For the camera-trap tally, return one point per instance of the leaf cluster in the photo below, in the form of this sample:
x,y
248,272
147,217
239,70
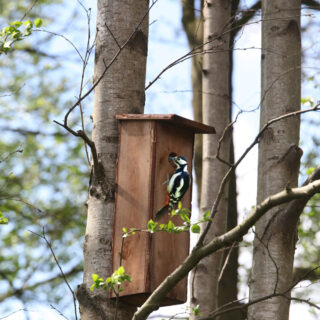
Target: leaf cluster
x,y
113,282
170,227
12,33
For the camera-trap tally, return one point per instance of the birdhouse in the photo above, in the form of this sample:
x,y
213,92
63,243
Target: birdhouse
x,y
142,169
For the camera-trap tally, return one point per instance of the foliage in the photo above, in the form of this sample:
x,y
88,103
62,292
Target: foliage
x,y
3,219
46,184
12,33
170,227
113,282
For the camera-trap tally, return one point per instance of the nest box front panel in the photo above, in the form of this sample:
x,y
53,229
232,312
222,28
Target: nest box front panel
x,y
169,250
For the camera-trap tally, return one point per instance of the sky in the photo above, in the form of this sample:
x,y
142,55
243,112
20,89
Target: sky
x,y
172,94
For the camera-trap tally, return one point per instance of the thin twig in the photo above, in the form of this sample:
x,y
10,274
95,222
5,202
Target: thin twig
x,y
228,306
226,262
84,66
18,150
12,313
199,49
81,133
43,236
266,246
112,35
65,38
28,11
58,311
235,165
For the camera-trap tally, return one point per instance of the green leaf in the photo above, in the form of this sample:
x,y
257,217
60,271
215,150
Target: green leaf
x,y
171,226
196,310
307,101
95,277
310,170
3,220
120,271
206,214
38,22
16,35
185,218
179,205
195,228
152,226
28,24
16,24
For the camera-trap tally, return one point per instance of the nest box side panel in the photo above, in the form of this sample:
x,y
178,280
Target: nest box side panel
x,y
169,250
133,203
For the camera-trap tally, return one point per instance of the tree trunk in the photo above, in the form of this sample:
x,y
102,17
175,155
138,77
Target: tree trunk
x,y
279,156
120,91
216,112
194,30
228,284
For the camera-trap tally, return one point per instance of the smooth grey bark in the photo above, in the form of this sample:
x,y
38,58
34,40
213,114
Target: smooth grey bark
x,y
120,91
279,156
193,27
216,112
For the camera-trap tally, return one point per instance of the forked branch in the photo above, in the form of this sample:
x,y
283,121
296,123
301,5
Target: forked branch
x,y
219,242
235,165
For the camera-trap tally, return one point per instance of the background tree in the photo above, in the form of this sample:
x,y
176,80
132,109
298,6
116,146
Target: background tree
x,y
204,281
279,156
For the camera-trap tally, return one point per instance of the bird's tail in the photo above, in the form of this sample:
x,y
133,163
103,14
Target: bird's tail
x,y
163,209
161,212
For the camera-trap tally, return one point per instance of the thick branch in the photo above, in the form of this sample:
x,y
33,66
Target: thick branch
x,y
222,241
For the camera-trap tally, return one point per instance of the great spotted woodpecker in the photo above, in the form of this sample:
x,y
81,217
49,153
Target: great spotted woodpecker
x,y
177,185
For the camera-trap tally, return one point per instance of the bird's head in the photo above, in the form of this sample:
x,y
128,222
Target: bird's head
x,y
179,161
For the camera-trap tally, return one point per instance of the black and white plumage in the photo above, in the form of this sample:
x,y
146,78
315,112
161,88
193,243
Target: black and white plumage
x,y
177,185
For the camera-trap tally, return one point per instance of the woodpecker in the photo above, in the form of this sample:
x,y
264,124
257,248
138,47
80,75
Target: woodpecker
x,y
177,185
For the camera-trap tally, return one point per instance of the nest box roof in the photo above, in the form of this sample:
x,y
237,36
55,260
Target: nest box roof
x,y
194,126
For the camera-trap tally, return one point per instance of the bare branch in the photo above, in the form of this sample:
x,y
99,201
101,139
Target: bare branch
x,y
12,313
65,38
28,11
226,262
235,165
81,133
32,132
266,246
58,311
234,235
112,35
25,287
43,236
18,150
199,49
235,305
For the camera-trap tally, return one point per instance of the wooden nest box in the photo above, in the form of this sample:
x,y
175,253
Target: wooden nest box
x,y
145,144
